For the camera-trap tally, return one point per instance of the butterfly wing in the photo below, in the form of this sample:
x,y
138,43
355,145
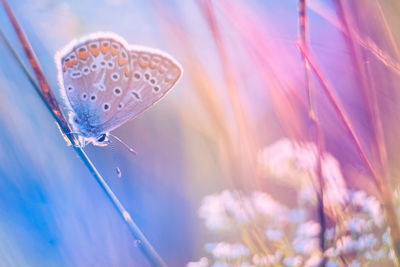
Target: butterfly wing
x,y
105,82
152,75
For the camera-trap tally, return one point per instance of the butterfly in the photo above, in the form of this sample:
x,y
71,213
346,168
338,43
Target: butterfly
x,y
105,82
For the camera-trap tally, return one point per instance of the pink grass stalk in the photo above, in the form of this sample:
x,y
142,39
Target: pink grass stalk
x,y
318,131
246,140
285,98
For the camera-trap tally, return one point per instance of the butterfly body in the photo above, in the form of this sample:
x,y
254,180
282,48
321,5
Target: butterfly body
x,y
106,82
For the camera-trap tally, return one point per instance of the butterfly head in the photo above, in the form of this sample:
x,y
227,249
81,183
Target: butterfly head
x,y
102,140
87,133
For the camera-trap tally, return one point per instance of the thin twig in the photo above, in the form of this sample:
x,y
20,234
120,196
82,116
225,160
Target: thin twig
x,y
318,131
46,94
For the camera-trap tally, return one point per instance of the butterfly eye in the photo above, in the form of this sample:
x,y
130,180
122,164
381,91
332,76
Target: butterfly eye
x,y
102,63
102,138
120,106
153,81
93,98
147,76
137,75
76,120
70,88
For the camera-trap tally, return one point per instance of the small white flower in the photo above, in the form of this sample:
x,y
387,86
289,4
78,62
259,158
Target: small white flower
x,y
297,215
335,191
268,260
305,245
358,197
373,207
223,211
258,260
354,263
366,241
292,261
330,253
329,233
213,212
386,237
225,250
331,264
373,255
358,225
309,229
220,264
203,262
267,206
345,244
313,261
273,234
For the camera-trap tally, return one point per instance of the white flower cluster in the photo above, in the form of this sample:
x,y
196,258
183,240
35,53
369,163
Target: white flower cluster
x,y
295,164
226,210
361,232
268,233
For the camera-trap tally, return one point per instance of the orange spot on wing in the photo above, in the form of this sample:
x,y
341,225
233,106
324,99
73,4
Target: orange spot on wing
x,y
64,68
153,64
126,72
83,55
74,61
94,50
104,48
122,61
143,64
114,51
69,63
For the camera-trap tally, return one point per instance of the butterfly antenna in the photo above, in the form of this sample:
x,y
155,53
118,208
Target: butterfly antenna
x,y
123,143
